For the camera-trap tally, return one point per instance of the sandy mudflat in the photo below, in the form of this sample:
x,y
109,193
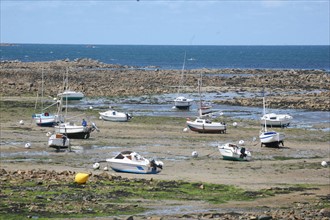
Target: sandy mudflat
x,y
298,162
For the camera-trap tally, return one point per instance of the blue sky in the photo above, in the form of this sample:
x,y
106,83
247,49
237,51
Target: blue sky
x,y
168,22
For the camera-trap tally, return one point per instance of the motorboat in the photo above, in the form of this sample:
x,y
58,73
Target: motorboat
x,y
230,151
112,115
182,102
132,162
276,120
71,95
71,130
202,125
58,141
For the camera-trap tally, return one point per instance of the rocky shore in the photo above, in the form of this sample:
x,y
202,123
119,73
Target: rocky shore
x,y
301,89
50,180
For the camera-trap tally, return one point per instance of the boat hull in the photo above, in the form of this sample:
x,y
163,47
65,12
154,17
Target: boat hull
x,y
234,153
136,168
206,128
271,138
275,120
71,95
58,141
74,131
183,103
115,116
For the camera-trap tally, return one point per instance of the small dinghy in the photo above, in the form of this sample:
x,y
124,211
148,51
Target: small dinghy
x,y
230,151
132,162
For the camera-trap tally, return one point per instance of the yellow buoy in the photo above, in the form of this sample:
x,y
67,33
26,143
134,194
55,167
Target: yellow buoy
x,y
81,178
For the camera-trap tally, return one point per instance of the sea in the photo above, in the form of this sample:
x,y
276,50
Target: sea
x,y
173,56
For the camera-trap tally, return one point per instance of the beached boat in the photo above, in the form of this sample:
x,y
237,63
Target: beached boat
x,y
270,138
71,95
230,151
202,125
112,115
132,162
58,141
180,101
45,118
276,120
71,130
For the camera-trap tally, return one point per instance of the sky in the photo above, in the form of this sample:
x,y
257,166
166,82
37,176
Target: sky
x,y
166,22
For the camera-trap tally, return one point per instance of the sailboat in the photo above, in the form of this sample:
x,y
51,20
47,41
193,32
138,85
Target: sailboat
x,y
203,125
204,107
270,138
182,102
70,129
45,119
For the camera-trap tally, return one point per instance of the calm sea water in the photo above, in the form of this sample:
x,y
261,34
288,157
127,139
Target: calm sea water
x,y
171,57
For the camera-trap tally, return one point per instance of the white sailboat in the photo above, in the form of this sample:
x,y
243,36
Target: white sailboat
x,y
45,118
203,125
70,129
180,101
270,138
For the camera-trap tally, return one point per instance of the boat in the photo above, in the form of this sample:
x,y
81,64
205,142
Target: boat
x,y
230,151
74,131
58,141
181,102
270,138
204,125
132,162
112,115
45,119
69,128
71,95
204,108
276,120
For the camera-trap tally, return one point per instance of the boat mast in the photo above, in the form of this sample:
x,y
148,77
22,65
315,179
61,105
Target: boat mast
x,y
200,97
264,106
182,71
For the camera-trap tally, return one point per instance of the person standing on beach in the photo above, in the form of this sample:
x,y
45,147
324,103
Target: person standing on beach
x,y
84,123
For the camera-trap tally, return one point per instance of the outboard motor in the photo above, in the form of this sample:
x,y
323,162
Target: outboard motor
x,y
94,127
243,154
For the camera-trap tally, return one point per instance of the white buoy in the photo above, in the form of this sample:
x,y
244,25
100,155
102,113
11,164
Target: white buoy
x,y
173,107
241,142
55,99
96,166
21,122
48,134
100,117
105,168
324,163
194,154
27,145
235,124
185,129
90,107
